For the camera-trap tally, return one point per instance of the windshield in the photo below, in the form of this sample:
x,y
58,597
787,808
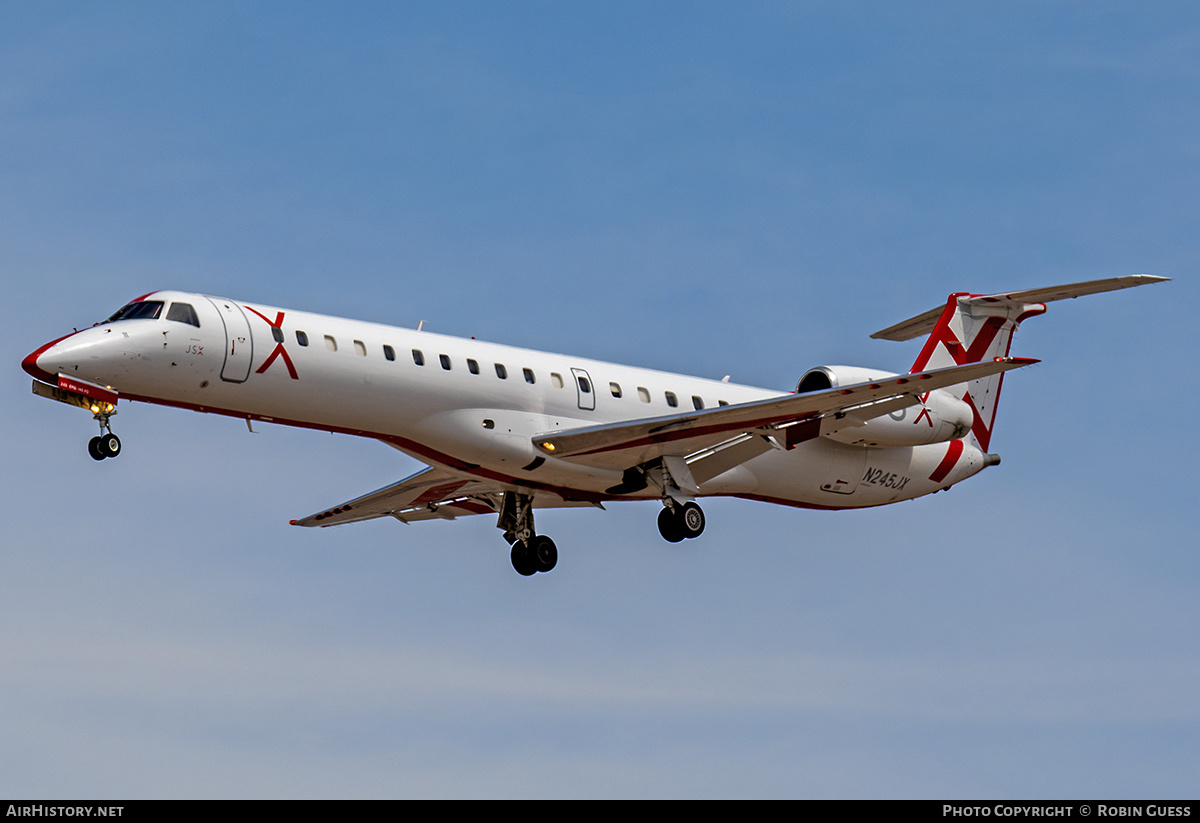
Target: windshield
x,y
145,310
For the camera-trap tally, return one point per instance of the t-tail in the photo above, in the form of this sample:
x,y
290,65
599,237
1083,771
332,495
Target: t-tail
x,y
971,328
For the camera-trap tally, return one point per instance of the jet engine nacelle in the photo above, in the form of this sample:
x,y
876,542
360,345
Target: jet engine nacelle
x,y
940,416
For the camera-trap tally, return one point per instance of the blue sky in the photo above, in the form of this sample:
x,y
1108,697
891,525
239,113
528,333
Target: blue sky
x,y
684,186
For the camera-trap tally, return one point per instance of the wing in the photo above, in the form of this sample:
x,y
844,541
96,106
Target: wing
x,y
794,417
430,494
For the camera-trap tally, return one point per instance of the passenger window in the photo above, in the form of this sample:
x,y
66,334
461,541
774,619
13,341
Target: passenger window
x,y
615,388
584,385
360,348
330,343
528,375
697,403
643,394
672,400
445,358
556,379
501,372
472,366
389,352
184,313
276,332
301,338
418,357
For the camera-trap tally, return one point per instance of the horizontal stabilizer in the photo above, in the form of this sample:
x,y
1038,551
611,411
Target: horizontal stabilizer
x,y
924,323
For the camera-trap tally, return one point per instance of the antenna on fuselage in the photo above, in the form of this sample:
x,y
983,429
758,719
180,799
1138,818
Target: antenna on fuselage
x,y
419,325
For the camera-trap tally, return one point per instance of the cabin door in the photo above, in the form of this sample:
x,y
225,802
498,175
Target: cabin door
x,y
239,348
584,389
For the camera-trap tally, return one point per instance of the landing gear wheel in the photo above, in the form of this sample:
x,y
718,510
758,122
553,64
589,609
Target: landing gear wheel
x,y
544,553
110,445
523,560
94,449
691,520
669,526
681,522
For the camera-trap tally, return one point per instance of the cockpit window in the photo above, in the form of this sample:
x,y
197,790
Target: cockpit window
x,y
184,313
145,310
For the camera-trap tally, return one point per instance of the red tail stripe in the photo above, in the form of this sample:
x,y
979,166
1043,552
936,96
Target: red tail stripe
x,y
933,339
954,451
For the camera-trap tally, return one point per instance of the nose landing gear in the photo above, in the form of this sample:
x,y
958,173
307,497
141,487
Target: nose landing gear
x,y
101,401
106,444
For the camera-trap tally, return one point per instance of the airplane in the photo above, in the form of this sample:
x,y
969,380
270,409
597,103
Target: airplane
x,y
505,430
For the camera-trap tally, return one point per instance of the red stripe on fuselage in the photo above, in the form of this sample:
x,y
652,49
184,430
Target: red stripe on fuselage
x,y
944,468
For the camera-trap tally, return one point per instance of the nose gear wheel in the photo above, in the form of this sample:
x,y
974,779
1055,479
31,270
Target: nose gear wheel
x,y
104,445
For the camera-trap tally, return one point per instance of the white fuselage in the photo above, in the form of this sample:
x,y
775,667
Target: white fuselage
x,y
460,403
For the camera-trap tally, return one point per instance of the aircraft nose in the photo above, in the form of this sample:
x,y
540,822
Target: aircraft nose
x,y
36,362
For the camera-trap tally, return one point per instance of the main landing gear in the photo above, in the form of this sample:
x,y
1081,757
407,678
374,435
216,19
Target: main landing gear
x,y
531,553
678,522
106,444
532,556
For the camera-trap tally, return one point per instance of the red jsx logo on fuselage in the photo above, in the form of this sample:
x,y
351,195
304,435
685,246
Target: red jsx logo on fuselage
x,y
280,351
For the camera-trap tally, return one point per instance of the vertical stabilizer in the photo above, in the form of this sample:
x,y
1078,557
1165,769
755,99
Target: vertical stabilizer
x,y
976,327
971,332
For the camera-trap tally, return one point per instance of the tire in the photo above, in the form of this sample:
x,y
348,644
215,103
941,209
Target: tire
x,y
110,445
522,559
691,520
94,449
669,526
544,553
